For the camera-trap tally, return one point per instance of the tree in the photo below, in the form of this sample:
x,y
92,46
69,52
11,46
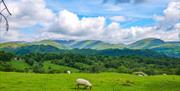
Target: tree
x,y
123,69
5,56
30,61
37,68
178,71
97,68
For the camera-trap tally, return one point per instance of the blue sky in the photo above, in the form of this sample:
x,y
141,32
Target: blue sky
x,y
114,21
141,13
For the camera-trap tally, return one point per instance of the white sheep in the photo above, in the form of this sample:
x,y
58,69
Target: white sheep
x,y
140,73
164,74
83,82
68,72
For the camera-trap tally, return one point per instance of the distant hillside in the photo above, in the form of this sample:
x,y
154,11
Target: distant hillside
x,y
12,44
99,45
32,49
172,50
146,43
89,44
118,52
51,43
169,48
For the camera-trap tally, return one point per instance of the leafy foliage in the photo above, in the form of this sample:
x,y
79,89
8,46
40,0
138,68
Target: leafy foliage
x,y
99,61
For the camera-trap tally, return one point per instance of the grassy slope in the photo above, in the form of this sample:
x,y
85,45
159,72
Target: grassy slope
x,y
103,46
146,43
59,68
168,47
19,65
49,42
95,45
101,82
12,45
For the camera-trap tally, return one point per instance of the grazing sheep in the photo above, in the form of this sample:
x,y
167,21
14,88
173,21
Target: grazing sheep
x,y
140,73
68,72
164,74
83,82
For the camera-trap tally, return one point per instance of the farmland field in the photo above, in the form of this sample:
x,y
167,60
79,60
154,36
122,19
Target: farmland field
x,y
12,81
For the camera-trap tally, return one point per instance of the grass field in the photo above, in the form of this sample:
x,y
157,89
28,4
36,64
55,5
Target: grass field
x,y
19,65
11,81
58,68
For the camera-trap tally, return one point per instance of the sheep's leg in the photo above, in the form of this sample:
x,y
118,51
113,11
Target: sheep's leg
x,y
85,87
78,86
90,87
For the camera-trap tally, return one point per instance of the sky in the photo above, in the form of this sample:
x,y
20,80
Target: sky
x,y
113,21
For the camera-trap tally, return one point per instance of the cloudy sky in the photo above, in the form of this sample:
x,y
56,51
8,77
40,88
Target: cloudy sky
x,y
114,21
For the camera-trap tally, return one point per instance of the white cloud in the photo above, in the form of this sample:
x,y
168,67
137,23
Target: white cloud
x,y
68,23
118,18
26,13
177,27
129,35
112,8
69,26
171,15
9,36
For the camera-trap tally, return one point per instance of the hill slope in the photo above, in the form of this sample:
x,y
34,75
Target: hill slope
x,y
66,44
146,43
51,43
99,45
32,49
12,44
170,48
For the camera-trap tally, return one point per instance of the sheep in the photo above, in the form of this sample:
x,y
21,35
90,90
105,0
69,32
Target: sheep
x,y
140,73
68,72
164,74
83,82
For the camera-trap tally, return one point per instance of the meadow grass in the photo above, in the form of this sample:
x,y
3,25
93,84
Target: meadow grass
x,y
19,65
12,81
59,68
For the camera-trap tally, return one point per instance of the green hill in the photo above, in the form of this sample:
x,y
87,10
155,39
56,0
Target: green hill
x,y
35,49
146,43
23,44
170,48
89,44
54,68
66,44
19,65
12,44
49,42
92,44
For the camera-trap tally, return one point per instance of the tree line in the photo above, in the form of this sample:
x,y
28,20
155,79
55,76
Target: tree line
x,y
94,63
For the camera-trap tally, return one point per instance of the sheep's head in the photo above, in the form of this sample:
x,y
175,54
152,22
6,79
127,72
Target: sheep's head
x,y
90,87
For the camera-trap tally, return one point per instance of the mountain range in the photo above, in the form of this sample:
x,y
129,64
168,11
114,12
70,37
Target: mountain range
x,y
169,48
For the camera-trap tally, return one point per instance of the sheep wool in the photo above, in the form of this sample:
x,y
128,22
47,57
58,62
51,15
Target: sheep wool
x,y
68,72
84,82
